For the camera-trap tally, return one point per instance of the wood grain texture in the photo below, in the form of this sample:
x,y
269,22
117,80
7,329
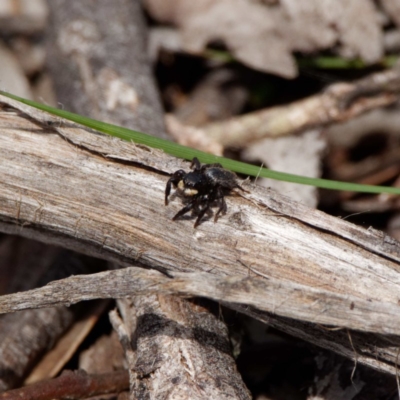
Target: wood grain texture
x,y
26,336
187,347
273,295
338,103
66,185
107,76
102,69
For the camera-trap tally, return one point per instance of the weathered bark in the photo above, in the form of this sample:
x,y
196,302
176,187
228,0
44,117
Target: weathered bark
x,y
108,77
338,103
97,54
182,351
251,291
25,337
71,385
103,196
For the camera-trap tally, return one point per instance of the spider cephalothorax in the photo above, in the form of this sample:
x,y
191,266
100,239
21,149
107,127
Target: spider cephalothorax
x,y
202,188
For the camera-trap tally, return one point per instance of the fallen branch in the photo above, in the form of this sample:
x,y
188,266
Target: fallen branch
x,y
271,295
71,385
291,266
338,103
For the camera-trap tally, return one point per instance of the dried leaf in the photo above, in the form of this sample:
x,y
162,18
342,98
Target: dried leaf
x,y
264,36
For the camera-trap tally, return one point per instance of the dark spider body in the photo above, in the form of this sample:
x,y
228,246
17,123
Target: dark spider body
x,y
202,188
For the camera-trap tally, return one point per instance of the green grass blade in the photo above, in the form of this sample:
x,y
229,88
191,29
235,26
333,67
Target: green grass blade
x,y
327,62
188,153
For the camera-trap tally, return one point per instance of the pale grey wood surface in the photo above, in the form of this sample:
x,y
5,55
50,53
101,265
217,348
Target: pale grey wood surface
x,y
65,185
97,55
101,70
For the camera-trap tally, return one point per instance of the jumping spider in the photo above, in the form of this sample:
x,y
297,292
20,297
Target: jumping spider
x,y
202,188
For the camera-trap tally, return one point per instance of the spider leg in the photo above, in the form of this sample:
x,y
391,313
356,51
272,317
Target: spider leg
x,y
184,210
239,187
195,163
235,185
222,207
167,191
201,214
175,178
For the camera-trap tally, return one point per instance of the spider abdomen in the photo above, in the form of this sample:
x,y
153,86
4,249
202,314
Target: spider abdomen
x,y
222,177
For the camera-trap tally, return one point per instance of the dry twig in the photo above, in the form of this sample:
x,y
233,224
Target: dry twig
x,y
338,103
71,385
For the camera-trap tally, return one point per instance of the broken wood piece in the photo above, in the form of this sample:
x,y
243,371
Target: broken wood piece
x,y
63,184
